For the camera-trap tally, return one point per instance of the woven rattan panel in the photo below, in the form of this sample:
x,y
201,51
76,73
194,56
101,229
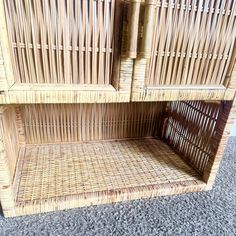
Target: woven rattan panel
x,y
86,122
69,42
51,171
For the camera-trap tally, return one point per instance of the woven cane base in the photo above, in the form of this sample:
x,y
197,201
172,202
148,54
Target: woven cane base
x,y
110,170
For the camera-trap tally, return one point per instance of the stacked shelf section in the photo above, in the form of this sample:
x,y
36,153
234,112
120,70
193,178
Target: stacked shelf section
x,y
64,156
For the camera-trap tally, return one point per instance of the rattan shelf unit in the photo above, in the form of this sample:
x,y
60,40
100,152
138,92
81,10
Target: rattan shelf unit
x,y
111,100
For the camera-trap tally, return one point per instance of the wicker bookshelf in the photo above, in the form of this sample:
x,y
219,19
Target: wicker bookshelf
x,y
109,100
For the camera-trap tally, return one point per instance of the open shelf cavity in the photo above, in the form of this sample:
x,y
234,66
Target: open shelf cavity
x,y
62,156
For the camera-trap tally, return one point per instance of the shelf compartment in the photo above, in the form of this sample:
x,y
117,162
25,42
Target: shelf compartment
x,y
56,157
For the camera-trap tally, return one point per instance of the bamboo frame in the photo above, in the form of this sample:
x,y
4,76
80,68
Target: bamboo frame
x,y
141,91
187,127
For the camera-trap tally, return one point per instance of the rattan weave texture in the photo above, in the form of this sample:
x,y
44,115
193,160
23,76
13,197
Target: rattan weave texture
x,y
52,171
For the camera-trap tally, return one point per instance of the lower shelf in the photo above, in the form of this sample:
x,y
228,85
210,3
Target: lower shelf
x,y
61,176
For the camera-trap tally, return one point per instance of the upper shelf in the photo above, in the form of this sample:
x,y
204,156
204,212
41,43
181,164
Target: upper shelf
x,y
98,51
25,94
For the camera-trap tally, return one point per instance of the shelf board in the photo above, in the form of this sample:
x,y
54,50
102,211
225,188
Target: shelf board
x,y
62,176
32,94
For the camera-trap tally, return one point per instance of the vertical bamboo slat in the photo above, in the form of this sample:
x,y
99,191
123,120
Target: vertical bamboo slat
x,y
133,27
192,44
231,73
148,31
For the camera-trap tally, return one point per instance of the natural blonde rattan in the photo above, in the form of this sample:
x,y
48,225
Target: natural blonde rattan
x,y
70,135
